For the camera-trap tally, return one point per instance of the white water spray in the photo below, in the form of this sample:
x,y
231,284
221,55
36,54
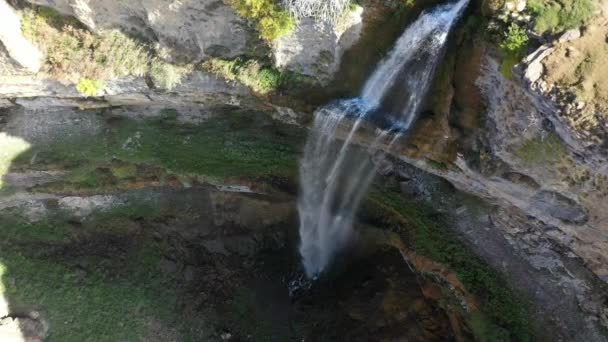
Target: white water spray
x,y
335,176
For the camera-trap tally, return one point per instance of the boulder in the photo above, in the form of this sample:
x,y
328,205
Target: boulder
x,y
316,48
570,35
19,49
534,67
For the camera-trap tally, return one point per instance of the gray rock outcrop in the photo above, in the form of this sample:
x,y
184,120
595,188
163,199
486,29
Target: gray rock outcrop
x,y
19,49
190,30
315,48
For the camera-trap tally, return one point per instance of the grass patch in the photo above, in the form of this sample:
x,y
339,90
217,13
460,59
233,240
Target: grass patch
x,y
166,75
17,228
243,314
87,295
513,47
124,170
554,16
245,144
260,77
93,305
505,315
272,22
542,150
509,61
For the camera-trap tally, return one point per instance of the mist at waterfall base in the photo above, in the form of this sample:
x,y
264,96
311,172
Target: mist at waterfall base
x,y
334,175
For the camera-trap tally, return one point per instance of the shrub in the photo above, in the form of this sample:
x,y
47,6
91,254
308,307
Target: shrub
x,y
553,16
90,87
261,79
165,75
514,46
73,53
272,21
515,39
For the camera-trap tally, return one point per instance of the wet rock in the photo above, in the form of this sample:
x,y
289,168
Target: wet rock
x,y
408,188
189,273
168,266
560,207
286,115
215,246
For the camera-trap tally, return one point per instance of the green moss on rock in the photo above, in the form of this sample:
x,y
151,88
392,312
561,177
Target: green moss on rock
x,y
504,313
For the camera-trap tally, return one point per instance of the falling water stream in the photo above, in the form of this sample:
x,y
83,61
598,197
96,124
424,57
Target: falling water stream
x,y
335,176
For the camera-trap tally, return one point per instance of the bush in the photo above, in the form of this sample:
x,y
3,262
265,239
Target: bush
x,y
73,53
514,46
515,39
553,16
90,87
261,79
272,21
165,75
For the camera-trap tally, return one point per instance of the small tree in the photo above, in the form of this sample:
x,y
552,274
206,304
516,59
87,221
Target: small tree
x,y
515,40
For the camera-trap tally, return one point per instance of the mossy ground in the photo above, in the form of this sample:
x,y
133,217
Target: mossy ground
x,y
235,144
91,282
504,313
101,276
542,150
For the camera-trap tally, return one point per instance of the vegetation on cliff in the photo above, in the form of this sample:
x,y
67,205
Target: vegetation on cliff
x,y
506,315
261,77
76,56
272,22
513,46
553,16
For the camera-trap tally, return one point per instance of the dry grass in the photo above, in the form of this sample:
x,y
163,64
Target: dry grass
x,y
76,56
73,53
579,66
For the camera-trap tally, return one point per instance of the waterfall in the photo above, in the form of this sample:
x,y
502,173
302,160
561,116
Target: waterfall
x,y
335,176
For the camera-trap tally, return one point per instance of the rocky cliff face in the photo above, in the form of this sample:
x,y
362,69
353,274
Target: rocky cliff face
x,y
531,177
189,30
552,200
